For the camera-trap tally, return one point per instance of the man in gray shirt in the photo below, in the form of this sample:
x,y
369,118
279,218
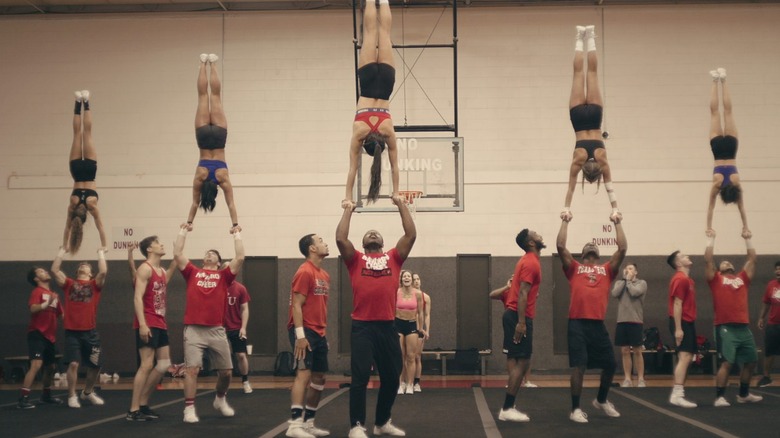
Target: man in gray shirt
x,y
630,292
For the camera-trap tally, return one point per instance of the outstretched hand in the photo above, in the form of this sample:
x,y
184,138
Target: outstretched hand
x,y
348,204
397,199
187,225
710,233
616,217
746,234
235,229
566,215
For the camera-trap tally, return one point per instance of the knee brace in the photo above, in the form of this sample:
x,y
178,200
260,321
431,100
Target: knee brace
x,y
316,387
162,366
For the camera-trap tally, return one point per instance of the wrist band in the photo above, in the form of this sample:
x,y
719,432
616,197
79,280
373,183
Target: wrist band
x,y
711,241
749,244
189,222
237,235
235,224
299,333
182,231
102,254
61,253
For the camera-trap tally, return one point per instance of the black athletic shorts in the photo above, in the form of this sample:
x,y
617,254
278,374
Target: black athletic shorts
x,y
376,80
404,327
772,340
589,344
525,348
237,344
628,334
316,360
724,148
158,338
586,117
211,137
41,348
83,346
688,343
83,170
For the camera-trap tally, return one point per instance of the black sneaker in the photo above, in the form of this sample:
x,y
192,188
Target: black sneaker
x,y
50,400
136,416
146,410
24,403
764,382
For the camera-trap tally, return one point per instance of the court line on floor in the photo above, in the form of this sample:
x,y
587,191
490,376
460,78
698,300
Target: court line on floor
x,y
758,391
115,417
711,429
283,427
488,423
64,394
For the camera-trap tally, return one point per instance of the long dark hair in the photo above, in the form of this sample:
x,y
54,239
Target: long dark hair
x,y
374,144
77,219
208,195
591,171
730,193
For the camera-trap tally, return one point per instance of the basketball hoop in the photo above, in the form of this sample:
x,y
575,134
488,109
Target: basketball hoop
x,y
409,197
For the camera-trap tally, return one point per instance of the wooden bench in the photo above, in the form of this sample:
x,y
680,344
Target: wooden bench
x,y
10,363
442,356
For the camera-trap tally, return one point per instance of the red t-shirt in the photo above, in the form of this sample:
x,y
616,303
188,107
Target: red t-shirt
x,y
374,284
81,302
772,297
528,270
314,283
681,286
45,321
589,290
236,296
155,301
730,298
206,295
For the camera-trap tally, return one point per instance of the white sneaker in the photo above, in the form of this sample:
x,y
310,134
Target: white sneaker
x,y
402,388
358,432
85,95
750,398
189,415
58,376
204,57
578,416
417,387
221,404
309,426
93,398
626,384
715,75
590,31
295,429
529,384
641,384
721,402
247,387
512,414
722,73
78,96
607,407
409,389
388,429
73,402
679,400
213,58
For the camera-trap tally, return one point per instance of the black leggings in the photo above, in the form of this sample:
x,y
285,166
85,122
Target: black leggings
x,y
374,343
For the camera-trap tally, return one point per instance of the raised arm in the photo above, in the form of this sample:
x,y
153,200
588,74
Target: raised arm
x,y
346,249
392,154
574,171
227,187
618,287
711,207
100,278
743,215
141,280
238,260
172,268
130,260
709,261
59,276
406,242
197,183
750,263
354,161
560,242
178,248
622,246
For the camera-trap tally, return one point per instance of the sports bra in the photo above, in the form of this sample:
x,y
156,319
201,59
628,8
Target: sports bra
x,y
364,115
402,303
212,166
726,171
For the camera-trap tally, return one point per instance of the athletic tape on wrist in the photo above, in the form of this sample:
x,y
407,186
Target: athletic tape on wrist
x,y
182,231
299,333
61,253
237,235
710,241
749,244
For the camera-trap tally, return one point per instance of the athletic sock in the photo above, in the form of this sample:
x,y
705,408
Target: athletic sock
x,y
720,391
509,401
86,102
244,378
416,380
601,397
744,388
578,45
296,412
384,2
189,402
25,392
77,111
575,402
591,45
309,412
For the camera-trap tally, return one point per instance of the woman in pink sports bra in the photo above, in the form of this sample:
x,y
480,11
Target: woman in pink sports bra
x,y
723,142
426,330
408,317
373,127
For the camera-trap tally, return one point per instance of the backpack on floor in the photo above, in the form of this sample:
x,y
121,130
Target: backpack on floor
x,y
651,339
285,364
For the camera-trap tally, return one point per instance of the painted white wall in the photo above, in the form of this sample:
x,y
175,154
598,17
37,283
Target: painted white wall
x,y
289,96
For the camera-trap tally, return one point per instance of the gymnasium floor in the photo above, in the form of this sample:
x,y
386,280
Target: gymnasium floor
x,y
452,406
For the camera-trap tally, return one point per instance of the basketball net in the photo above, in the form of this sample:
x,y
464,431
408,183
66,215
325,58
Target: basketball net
x,y
409,197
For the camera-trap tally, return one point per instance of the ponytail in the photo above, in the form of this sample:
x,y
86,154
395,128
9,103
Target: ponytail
x,y
77,219
208,195
374,144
